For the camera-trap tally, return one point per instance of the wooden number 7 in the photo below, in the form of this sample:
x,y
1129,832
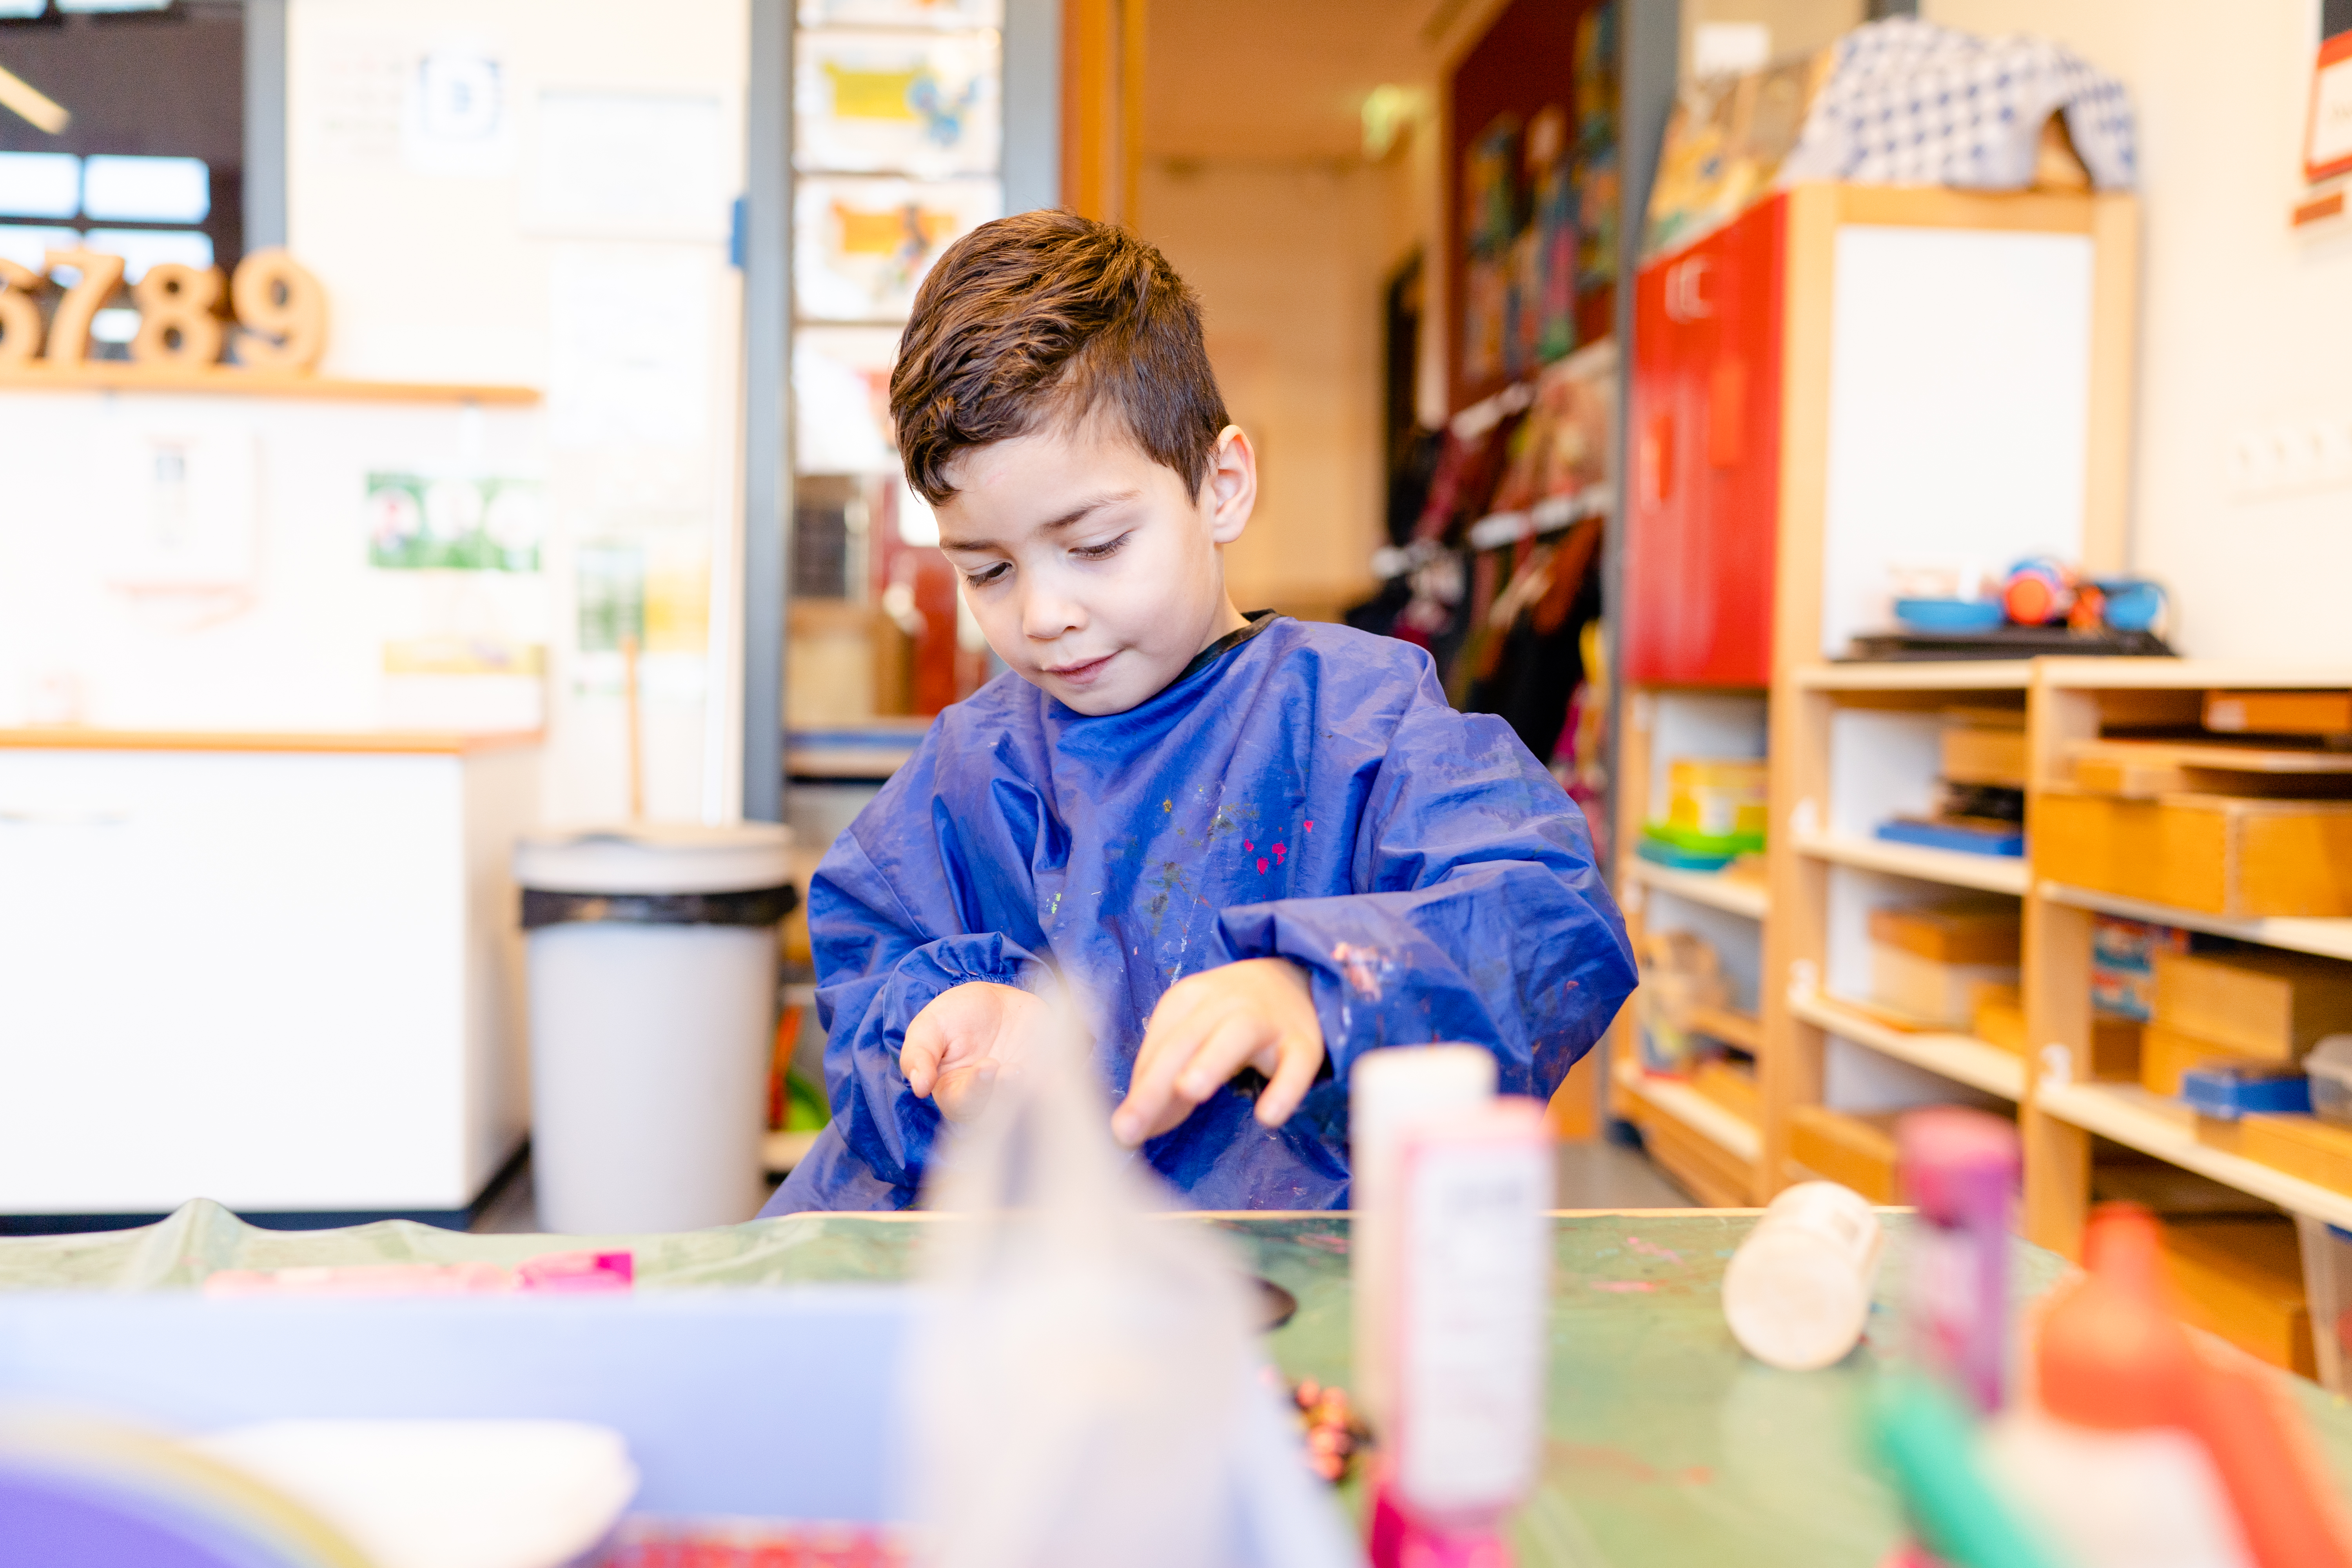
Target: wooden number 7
x,y
20,317
70,328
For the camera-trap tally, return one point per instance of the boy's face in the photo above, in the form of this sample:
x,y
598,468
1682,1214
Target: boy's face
x,y
1092,571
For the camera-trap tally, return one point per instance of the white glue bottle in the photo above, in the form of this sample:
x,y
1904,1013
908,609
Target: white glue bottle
x,y
1471,1300
1797,1293
1389,1090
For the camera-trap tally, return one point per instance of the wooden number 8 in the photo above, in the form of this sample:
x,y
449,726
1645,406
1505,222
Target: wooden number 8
x,y
176,324
20,317
282,310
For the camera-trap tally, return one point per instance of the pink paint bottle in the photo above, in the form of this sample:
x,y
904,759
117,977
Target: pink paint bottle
x,y
1960,1170
1470,1298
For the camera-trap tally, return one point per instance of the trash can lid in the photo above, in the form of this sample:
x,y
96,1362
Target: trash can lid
x,y
656,858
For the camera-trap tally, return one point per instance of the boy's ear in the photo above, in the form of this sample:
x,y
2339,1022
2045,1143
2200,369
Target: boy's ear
x,y
1231,489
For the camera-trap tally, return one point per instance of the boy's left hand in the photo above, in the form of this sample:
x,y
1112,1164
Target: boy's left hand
x,y
1257,1012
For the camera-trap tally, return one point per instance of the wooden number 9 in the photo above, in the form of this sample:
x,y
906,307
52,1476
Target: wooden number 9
x,y
20,316
282,310
176,324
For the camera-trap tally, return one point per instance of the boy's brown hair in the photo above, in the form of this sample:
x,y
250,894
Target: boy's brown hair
x,y
1046,315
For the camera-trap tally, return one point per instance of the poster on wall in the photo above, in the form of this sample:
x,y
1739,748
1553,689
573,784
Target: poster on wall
x,y
884,102
864,246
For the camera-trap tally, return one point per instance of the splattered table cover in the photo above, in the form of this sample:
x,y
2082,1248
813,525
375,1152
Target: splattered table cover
x,y
1666,1444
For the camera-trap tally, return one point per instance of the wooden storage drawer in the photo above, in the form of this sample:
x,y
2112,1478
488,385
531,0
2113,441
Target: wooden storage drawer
x,y
1974,754
2302,1147
2242,1279
2217,854
1855,1149
2272,1006
2166,1053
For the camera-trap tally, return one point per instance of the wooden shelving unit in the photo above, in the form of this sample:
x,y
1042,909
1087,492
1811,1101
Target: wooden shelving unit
x,y
1851,744
1842,737
2073,699
1711,1150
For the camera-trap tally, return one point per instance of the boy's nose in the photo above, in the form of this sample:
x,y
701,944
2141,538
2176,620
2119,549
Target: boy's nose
x,y
1044,616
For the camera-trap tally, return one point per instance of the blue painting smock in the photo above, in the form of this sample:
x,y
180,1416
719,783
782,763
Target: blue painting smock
x,y
1301,792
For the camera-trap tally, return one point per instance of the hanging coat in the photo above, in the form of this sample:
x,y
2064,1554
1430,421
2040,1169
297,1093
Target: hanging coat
x,y
1301,791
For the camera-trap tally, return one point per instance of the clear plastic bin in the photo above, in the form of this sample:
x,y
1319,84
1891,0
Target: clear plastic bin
x,y
2327,1285
2329,1064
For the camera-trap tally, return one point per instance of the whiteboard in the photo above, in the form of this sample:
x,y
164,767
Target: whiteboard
x,y
1960,406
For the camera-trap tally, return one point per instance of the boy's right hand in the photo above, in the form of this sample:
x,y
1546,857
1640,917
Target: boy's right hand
x,y
967,1037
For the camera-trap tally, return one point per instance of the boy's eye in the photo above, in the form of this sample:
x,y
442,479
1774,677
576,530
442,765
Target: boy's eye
x,y
981,579
1098,552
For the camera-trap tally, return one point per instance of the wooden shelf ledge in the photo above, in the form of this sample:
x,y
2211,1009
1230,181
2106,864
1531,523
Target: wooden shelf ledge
x,y
1963,1059
1733,895
1988,873
74,738
2188,674
1672,1098
1941,675
2328,938
2138,1120
1744,1030
115,375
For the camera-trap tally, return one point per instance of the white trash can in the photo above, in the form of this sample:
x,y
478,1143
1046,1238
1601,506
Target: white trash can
x,y
652,970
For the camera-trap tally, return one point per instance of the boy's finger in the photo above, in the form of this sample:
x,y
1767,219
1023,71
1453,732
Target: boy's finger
x,y
1294,1075
919,1055
964,1092
1225,1052
1169,1042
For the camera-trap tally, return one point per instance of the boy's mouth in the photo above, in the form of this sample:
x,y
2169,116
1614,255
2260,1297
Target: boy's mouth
x,y
1080,674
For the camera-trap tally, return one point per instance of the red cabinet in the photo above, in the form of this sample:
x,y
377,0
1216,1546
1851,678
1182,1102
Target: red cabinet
x,y
1706,457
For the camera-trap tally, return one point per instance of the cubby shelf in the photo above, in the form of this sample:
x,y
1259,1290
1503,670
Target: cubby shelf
x,y
1989,873
2325,938
1960,1057
1733,895
2137,1119
1671,1096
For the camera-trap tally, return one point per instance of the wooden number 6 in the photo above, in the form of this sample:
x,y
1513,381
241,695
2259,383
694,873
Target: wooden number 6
x,y
20,316
176,324
70,328
282,310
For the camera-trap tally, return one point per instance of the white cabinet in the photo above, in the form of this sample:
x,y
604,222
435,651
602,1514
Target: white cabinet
x,y
280,972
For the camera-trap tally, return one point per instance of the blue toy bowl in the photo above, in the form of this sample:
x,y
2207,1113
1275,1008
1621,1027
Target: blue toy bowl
x,y
1948,614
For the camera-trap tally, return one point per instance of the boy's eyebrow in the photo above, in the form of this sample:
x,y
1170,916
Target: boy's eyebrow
x,y
1076,515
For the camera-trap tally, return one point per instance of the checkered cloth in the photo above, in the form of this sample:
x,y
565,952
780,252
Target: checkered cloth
x,y
1910,103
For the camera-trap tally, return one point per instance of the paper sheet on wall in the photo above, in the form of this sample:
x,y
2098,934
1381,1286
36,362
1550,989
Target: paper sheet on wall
x,y
629,353
630,165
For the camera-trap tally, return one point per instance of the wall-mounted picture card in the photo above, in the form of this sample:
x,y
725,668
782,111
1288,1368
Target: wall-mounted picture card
x,y
420,523
874,103
841,394
863,245
941,14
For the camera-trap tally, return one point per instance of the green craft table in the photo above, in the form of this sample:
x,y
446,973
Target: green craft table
x,y
1667,1444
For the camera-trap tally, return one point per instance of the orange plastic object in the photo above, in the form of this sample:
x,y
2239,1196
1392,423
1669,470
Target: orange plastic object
x,y
2113,1356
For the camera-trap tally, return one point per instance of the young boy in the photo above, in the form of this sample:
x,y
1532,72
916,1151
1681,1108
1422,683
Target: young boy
x,y
1254,848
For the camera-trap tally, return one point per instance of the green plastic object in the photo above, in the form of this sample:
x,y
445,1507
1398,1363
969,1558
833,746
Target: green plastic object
x,y
1690,840
1930,1441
